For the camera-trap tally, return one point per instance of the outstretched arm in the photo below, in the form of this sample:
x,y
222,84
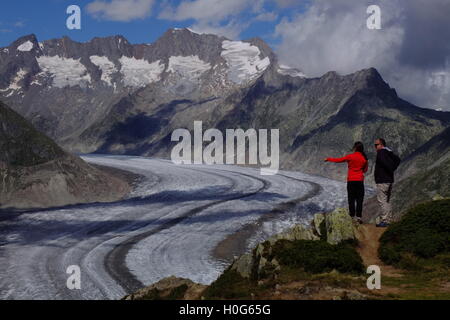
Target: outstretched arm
x,y
338,160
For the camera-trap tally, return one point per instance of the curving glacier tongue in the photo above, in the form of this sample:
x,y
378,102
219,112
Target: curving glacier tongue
x,y
183,212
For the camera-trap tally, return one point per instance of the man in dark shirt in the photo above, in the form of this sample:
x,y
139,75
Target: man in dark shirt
x,y
384,179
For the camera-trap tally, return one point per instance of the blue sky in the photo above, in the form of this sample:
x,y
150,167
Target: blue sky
x,y
47,19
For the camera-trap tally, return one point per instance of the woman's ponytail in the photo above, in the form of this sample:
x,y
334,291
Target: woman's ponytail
x,y
359,147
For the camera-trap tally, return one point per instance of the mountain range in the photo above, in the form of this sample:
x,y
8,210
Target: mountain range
x,y
110,96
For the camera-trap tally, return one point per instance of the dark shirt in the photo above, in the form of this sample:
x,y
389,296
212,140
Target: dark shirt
x,y
384,167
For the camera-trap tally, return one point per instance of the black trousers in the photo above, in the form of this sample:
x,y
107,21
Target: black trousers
x,y
355,191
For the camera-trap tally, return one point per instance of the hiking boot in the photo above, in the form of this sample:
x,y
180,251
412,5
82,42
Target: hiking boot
x,y
383,224
357,220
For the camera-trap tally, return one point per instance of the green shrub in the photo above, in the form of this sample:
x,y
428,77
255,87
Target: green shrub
x,y
318,256
230,285
178,292
424,232
174,294
153,294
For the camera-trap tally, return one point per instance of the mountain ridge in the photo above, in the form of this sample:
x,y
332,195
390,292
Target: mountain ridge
x,y
121,98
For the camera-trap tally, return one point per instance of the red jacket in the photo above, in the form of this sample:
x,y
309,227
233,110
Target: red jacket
x,y
357,165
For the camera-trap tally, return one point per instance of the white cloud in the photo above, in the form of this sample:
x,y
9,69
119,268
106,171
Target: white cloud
x,y
19,24
426,88
332,35
206,10
266,16
230,30
287,3
216,16
327,38
120,10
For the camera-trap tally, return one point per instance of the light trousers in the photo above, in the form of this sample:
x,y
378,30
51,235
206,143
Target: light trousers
x,y
384,191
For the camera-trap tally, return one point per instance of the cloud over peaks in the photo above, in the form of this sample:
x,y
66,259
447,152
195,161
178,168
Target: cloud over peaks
x,y
120,10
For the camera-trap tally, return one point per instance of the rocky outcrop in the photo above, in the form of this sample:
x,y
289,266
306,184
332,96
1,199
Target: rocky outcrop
x,y
297,232
334,227
171,288
339,226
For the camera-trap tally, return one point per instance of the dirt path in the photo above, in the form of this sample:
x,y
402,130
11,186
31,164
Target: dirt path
x,y
369,241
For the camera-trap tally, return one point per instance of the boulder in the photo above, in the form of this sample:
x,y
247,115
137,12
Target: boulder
x,y
258,259
339,226
297,232
243,265
171,288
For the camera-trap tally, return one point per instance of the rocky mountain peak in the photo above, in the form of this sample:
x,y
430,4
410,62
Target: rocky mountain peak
x,y
184,42
26,43
371,78
266,50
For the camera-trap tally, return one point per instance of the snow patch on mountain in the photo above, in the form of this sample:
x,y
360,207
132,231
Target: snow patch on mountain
x,y
107,67
288,71
19,77
14,85
191,67
196,32
188,29
26,46
243,60
64,71
36,81
139,73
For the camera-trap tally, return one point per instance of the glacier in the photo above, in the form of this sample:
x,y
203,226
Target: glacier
x,y
172,221
243,60
107,67
26,46
139,72
66,72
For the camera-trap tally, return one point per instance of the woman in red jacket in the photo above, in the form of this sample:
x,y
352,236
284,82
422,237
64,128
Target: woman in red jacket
x,y
357,166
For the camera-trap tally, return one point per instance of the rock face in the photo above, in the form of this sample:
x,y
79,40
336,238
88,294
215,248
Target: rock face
x,y
339,226
430,155
110,96
171,288
243,265
297,232
35,172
